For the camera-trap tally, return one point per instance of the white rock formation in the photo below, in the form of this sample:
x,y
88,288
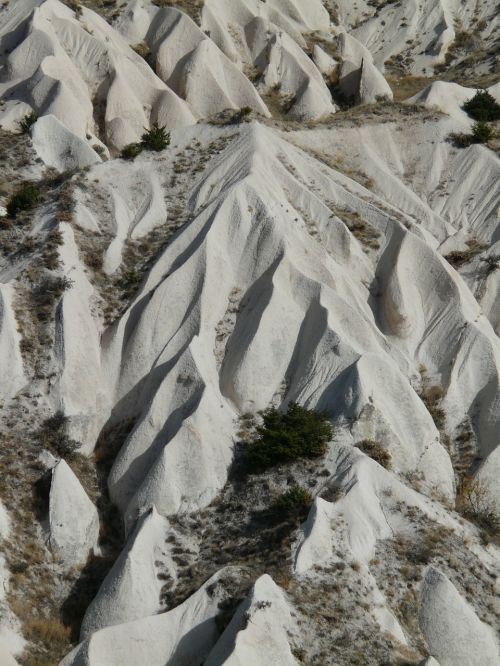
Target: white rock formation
x,y
284,66
196,69
359,78
226,20
398,28
11,640
180,637
372,85
363,510
257,634
405,252
60,148
449,98
132,588
324,62
65,60
6,658
4,522
11,363
81,396
73,519
301,258
452,630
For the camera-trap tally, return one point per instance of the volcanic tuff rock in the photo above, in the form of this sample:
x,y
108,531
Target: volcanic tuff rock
x,y
321,229
73,519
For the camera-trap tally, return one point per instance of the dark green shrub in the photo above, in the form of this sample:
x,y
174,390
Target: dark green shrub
x,y
482,106
131,151
245,112
53,436
26,122
285,437
25,198
157,138
376,451
293,504
482,132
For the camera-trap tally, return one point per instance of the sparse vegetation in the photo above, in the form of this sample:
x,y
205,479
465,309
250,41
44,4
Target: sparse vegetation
x,y
287,436
407,85
376,451
482,132
458,258
251,522
431,396
142,49
482,107
292,504
46,293
474,503
190,7
359,228
26,122
26,197
53,436
155,139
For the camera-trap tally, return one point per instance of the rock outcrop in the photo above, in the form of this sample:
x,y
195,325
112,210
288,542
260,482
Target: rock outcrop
x,y
453,632
73,519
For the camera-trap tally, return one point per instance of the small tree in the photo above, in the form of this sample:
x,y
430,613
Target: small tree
x,y
285,437
293,504
157,138
482,132
482,106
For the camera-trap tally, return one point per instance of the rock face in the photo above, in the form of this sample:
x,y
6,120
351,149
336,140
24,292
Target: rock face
x,y
181,637
257,634
60,148
67,57
189,62
304,236
11,364
453,632
359,78
73,519
284,66
132,588
11,641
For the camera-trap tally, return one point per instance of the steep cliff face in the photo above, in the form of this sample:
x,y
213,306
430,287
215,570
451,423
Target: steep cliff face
x,y
320,227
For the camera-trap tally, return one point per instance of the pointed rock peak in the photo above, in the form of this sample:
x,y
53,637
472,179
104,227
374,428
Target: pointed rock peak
x,y
452,630
73,519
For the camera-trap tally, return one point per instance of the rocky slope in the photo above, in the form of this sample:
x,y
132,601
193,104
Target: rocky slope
x,y
315,233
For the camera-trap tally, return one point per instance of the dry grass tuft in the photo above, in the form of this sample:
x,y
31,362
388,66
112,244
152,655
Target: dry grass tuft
x,y
376,451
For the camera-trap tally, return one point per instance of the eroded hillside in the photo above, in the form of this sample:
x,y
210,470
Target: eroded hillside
x,y
317,223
